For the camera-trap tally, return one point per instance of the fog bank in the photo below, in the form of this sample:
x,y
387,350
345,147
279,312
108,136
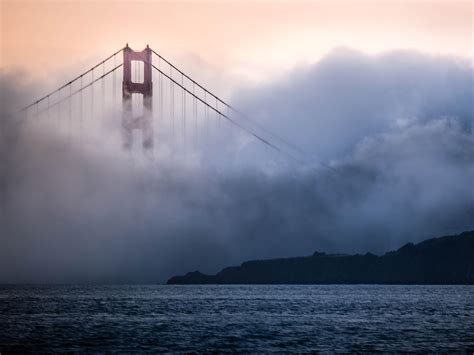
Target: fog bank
x,y
397,130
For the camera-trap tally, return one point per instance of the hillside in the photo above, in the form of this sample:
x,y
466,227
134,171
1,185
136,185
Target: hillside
x,y
444,260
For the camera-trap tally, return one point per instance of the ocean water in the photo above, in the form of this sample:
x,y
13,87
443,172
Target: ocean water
x,y
236,318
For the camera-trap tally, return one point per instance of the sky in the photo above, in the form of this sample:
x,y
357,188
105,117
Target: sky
x,y
377,97
237,40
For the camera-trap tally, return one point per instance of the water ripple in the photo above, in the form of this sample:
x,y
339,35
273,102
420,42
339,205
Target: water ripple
x,y
236,318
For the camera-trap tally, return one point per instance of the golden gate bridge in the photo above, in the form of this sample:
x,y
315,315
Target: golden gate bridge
x,y
148,92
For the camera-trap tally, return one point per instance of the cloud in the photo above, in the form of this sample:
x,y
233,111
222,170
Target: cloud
x,y
397,128
329,107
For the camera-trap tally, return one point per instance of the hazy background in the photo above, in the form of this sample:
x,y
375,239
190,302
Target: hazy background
x,y
395,126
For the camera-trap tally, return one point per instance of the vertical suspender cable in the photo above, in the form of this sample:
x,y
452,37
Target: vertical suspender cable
x,y
59,108
69,122
218,116
102,99
114,83
183,116
160,88
161,94
195,115
206,114
172,103
81,118
208,126
92,95
70,110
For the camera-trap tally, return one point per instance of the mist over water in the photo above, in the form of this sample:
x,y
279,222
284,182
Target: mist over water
x,y
397,128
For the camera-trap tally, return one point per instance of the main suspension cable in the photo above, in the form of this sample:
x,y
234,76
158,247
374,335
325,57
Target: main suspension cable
x,y
263,140
71,81
83,88
240,113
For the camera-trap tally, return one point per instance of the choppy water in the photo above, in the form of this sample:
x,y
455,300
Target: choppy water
x,y
236,318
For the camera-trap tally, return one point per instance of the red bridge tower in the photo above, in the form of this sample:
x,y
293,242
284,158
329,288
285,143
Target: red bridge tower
x,y
129,121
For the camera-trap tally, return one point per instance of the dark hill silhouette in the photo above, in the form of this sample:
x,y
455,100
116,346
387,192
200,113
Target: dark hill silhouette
x,y
444,260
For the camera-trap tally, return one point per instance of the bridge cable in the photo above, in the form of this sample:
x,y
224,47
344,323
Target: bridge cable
x,y
102,83
194,116
69,121
261,139
235,123
84,87
246,117
70,82
114,83
172,102
92,95
81,121
206,115
183,117
218,99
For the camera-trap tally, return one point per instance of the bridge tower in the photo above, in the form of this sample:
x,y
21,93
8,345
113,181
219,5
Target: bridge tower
x,y
130,122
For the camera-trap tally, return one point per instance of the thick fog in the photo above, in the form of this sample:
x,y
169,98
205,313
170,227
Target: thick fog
x,y
385,156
